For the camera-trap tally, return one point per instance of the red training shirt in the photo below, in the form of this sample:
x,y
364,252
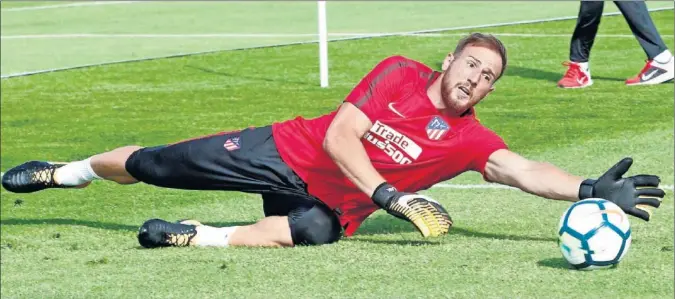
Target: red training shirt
x,y
411,143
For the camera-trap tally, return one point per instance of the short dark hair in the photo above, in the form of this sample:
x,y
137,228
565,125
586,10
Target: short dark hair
x,y
483,40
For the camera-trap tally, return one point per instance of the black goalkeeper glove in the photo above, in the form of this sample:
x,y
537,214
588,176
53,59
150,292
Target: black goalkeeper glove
x,y
631,194
428,216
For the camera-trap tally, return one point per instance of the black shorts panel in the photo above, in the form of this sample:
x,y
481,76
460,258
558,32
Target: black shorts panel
x,y
246,161
287,205
311,221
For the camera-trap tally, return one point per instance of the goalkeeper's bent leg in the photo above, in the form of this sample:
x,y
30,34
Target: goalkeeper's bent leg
x,y
272,231
269,232
317,225
111,165
313,226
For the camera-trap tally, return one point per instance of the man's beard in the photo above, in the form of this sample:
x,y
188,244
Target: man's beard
x,y
446,92
452,106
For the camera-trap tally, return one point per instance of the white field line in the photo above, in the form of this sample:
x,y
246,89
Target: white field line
x,y
278,35
95,3
497,186
311,42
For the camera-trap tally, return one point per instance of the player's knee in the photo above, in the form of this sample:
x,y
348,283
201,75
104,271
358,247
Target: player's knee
x,y
318,226
112,165
116,157
121,155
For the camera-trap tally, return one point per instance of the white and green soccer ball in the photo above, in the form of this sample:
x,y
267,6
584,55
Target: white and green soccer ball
x,y
594,233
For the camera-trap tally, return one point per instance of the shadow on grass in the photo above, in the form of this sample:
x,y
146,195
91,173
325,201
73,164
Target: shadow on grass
x,y
561,263
554,77
392,242
390,225
531,73
557,263
486,235
95,224
375,226
241,76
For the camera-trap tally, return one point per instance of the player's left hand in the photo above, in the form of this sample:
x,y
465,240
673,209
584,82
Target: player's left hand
x,y
631,194
428,216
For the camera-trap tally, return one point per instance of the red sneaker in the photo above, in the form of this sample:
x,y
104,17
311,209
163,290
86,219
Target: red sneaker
x,y
575,77
654,73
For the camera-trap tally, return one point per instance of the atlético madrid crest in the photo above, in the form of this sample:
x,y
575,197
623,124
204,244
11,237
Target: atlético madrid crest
x,y
232,144
437,128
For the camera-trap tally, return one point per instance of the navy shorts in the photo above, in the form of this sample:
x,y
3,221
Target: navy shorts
x,y
245,161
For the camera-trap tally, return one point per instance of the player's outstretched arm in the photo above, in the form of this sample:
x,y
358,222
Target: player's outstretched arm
x,y
632,194
538,178
343,145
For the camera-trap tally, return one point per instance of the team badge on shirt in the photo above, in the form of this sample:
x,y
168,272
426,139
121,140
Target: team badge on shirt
x,y
437,128
232,144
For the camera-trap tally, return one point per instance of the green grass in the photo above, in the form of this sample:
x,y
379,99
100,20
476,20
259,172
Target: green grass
x,y
82,243
208,17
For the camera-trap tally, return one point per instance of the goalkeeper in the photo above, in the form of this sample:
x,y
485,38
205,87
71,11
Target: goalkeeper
x,y
402,129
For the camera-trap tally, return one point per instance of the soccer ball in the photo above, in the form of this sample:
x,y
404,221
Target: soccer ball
x,y
594,233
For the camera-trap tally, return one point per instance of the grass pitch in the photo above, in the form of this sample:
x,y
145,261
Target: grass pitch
x,y
82,243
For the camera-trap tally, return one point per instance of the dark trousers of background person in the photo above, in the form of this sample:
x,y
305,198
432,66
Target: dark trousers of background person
x,y
635,13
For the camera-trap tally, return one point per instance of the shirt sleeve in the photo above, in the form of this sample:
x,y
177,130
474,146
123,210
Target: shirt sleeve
x,y
483,143
381,85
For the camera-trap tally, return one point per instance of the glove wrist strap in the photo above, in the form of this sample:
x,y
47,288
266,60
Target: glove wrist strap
x,y
383,194
586,189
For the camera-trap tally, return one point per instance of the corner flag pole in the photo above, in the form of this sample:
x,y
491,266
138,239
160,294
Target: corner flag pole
x,y
323,44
